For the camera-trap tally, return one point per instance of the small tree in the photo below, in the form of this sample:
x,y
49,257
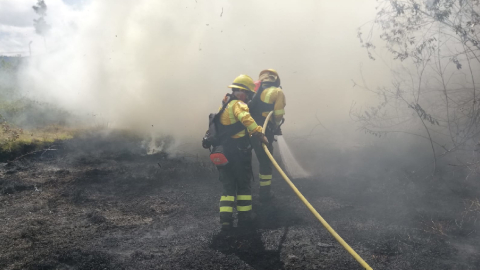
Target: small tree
x,y
41,26
434,89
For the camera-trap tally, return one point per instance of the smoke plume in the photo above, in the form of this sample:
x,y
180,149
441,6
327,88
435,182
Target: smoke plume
x,y
162,66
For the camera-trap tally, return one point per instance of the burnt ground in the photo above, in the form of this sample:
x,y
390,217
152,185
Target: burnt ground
x,y
99,203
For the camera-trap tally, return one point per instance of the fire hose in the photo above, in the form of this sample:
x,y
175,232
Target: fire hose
x,y
310,207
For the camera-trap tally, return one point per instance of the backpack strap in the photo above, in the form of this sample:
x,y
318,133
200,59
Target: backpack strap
x,y
255,100
224,106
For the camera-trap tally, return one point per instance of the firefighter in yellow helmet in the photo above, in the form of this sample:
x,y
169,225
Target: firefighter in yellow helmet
x,y
269,97
235,127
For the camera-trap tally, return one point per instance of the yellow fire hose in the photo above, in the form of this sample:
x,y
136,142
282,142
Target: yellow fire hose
x,y
310,207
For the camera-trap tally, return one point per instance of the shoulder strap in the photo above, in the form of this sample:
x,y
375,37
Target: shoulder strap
x,y
224,106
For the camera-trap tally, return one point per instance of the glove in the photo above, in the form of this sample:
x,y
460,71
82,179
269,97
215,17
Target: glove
x,y
261,137
278,129
264,139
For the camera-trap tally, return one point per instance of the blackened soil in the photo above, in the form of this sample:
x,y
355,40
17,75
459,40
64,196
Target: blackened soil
x,y
100,203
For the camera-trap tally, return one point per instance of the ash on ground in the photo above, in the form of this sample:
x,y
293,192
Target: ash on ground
x,y
100,202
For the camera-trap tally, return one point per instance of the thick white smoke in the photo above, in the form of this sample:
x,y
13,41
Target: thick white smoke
x,y
162,66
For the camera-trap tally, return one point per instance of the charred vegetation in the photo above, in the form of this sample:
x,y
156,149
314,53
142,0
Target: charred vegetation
x,y
100,202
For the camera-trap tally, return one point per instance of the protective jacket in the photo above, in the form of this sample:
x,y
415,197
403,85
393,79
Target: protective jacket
x,y
267,100
237,111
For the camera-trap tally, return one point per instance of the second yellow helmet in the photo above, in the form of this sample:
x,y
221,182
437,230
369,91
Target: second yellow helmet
x,y
266,72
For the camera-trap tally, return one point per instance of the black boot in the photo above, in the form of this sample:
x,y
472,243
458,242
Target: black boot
x,y
266,195
226,228
246,222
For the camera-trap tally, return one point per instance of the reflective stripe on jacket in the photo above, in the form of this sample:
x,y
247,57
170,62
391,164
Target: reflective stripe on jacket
x,y
235,111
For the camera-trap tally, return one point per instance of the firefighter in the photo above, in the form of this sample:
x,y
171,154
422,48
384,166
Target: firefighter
x,y
236,176
269,97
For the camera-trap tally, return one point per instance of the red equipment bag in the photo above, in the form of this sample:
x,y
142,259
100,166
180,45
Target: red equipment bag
x,y
218,159
217,156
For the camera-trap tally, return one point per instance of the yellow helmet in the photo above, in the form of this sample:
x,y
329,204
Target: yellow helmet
x,y
243,82
267,76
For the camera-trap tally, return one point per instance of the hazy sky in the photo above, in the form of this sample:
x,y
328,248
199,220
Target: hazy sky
x,y
16,23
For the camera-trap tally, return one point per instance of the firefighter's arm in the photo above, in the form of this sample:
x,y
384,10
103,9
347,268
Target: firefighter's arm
x,y
241,112
279,108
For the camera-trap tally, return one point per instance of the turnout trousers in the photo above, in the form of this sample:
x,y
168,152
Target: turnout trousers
x,y
236,178
265,164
